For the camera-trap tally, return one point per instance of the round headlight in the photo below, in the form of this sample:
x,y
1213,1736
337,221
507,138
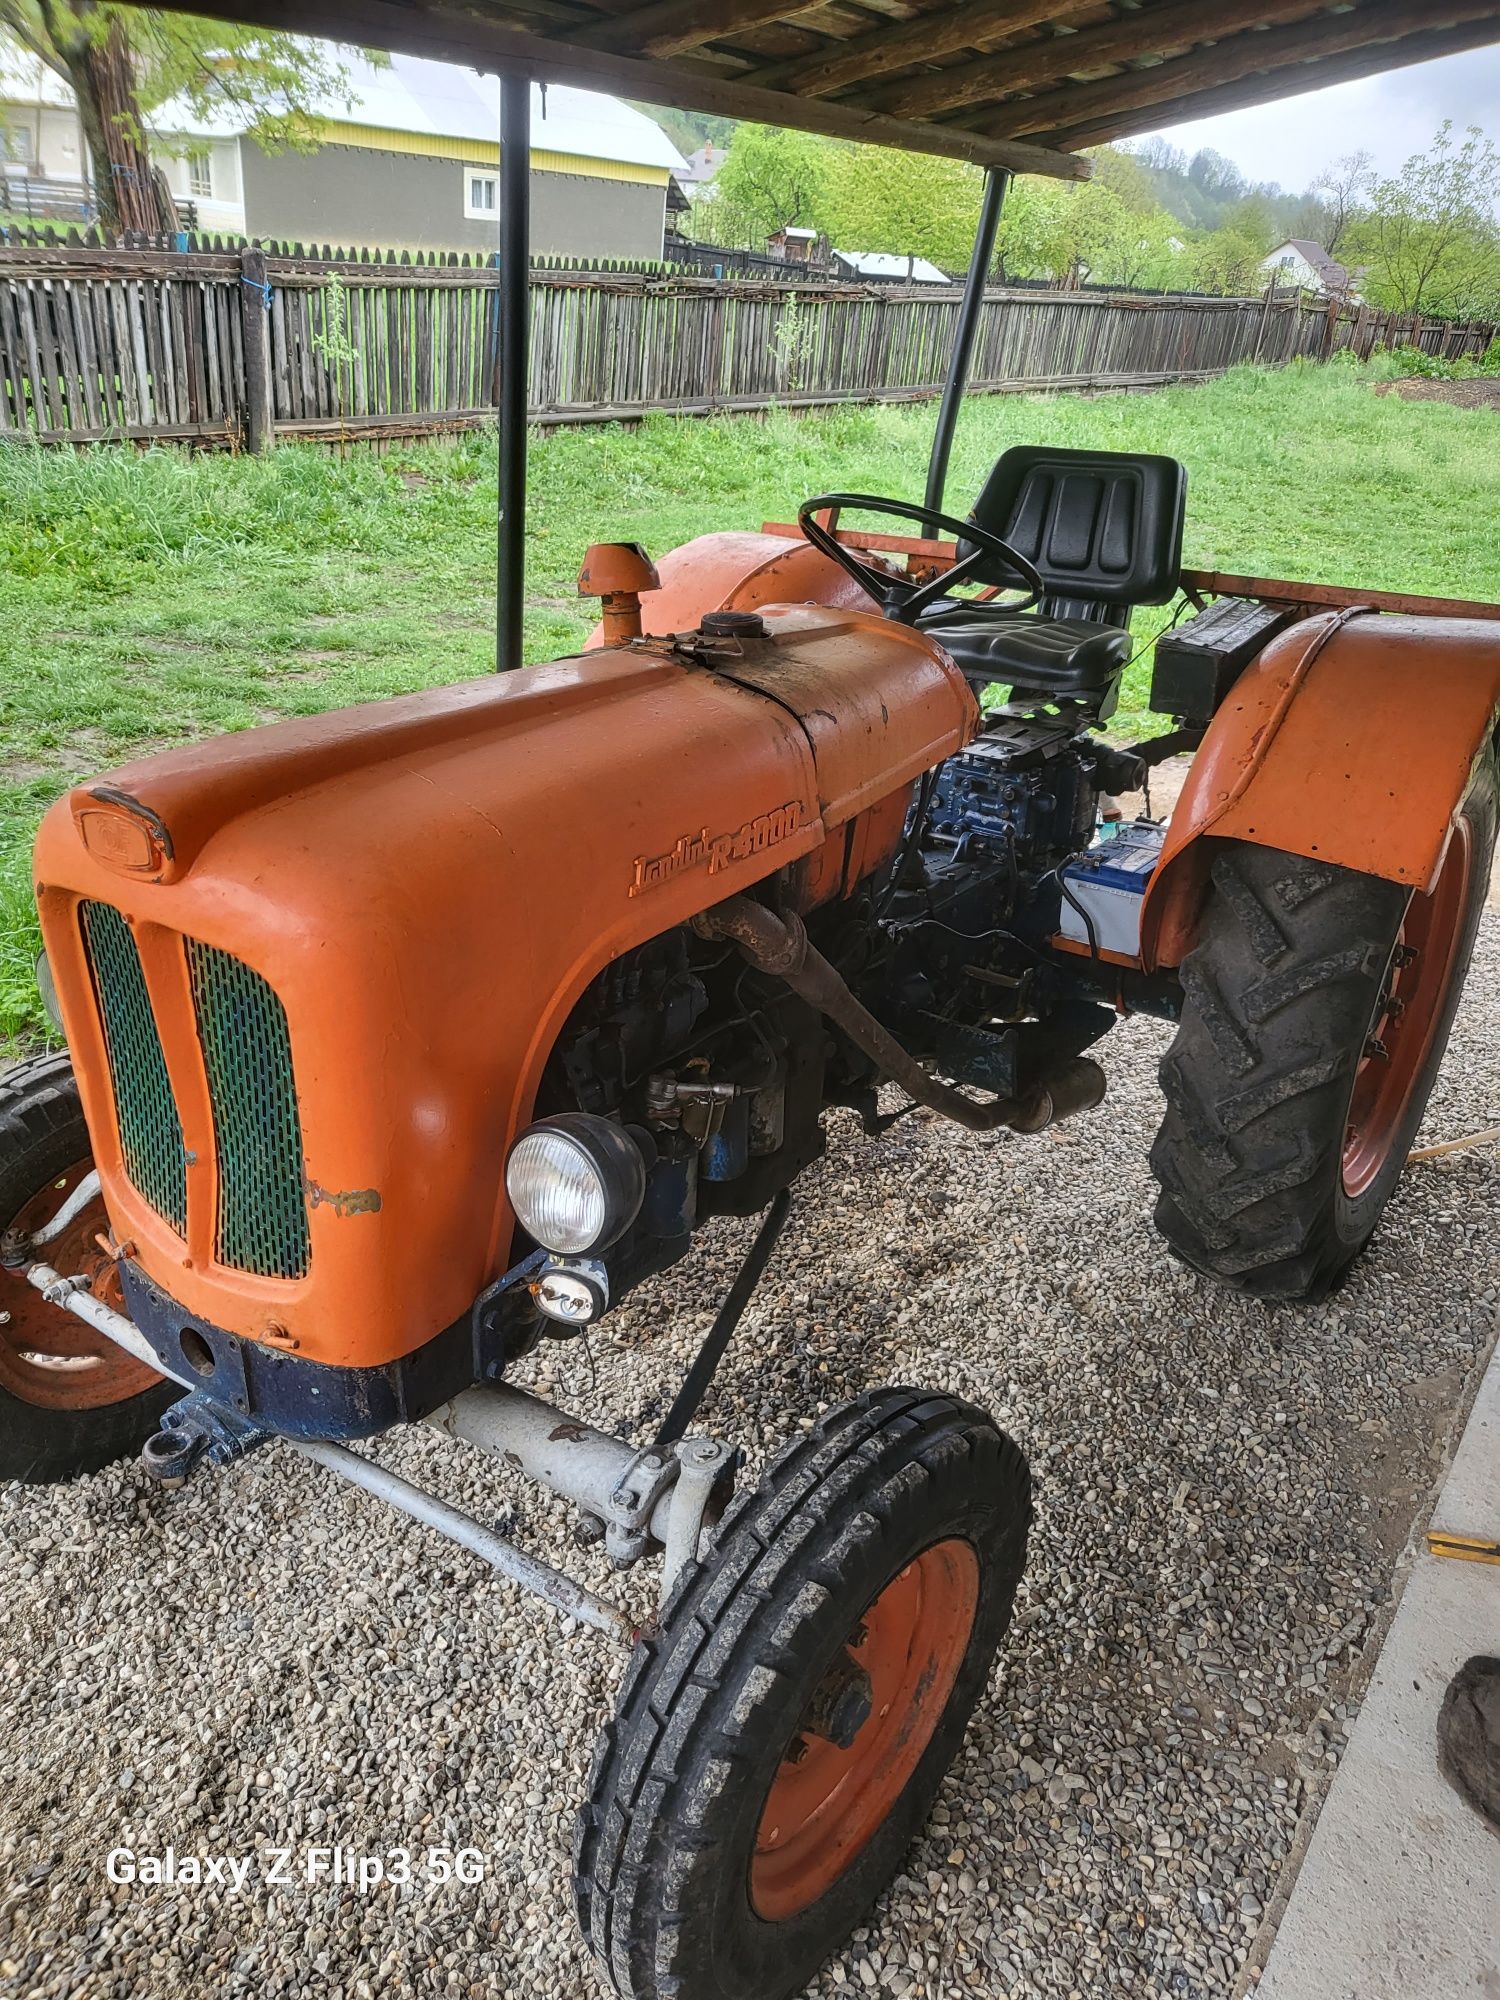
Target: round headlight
x,y
576,1182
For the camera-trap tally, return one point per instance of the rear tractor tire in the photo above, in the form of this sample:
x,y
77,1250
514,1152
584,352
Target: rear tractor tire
x,y
70,1400
779,1740
1317,1005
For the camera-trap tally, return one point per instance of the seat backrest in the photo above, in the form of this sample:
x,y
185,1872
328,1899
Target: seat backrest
x,y
1103,527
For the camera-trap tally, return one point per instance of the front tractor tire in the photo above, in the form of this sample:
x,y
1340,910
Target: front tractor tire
x,y
779,1740
70,1400
1317,1005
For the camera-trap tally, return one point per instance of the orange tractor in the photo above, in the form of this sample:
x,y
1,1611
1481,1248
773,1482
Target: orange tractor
x,y
403,1038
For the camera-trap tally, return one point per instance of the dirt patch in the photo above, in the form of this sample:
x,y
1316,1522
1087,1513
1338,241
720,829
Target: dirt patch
x,y
1481,393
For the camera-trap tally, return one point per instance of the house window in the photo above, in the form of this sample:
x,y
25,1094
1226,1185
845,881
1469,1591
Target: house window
x,y
480,196
200,175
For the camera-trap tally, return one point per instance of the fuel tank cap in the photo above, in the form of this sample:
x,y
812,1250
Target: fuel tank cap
x,y
732,625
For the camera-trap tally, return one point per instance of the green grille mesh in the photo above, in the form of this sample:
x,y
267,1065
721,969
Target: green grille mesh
x,y
247,1053
150,1129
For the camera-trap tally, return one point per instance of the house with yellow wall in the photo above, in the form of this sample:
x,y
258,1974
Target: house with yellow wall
x,y
411,162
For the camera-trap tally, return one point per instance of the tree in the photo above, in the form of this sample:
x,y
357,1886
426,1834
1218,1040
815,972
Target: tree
x,y
122,63
1223,261
1341,190
1216,177
1430,242
771,179
1139,250
908,204
1069,232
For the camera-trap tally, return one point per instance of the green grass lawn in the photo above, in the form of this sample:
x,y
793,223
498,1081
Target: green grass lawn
x,y
152,597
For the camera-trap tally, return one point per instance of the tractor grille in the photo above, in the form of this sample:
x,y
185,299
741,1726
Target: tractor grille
x,y
262,1216
150,1129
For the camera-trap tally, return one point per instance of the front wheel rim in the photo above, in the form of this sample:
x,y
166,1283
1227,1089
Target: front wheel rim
x,y
826,1804
1393,1060
49,1357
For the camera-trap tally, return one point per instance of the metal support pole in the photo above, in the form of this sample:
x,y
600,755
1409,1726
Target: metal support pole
x,y
996,181
515,310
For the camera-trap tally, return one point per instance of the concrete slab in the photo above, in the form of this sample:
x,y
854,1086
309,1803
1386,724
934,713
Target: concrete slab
x,y
1398,1897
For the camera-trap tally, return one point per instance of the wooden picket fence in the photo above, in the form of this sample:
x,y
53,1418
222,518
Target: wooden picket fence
x,y
236,346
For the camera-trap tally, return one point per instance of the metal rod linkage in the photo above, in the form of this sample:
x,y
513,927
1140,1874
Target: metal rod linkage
x,y
574,1599
557,1589
695,1384
996,181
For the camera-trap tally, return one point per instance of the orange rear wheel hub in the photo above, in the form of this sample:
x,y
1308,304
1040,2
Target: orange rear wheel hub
x,y
49,1358
897,1670
1394,1058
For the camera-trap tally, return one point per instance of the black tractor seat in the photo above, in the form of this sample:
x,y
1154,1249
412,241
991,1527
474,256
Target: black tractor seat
x,y
1104,531
1075,658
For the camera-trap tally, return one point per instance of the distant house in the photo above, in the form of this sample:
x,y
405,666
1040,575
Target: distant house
x,y
412,163
1299,261
884,268
41,140
701,168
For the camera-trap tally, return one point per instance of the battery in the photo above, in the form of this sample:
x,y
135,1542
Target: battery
x,y
1109,881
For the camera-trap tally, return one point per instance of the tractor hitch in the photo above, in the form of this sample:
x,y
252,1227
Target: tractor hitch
x,y
194,1429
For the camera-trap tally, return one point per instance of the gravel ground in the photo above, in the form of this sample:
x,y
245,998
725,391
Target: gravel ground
x,y
266,1660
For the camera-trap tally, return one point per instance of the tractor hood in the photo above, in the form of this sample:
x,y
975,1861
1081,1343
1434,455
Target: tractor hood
x,y
310,974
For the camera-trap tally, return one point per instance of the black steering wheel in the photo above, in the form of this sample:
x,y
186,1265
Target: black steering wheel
x,y
898,596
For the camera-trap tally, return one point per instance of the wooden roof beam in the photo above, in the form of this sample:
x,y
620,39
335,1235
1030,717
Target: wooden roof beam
x,y
970,24
668,27
1375,22
1180,25
451,34
1241,96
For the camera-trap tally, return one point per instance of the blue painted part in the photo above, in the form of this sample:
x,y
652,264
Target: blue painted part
x,y
727,1154
292,1395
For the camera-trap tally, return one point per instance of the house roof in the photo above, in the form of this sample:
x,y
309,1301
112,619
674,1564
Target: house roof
x,y
26,80
1014,83
883,264
703,164
1331,272
439,100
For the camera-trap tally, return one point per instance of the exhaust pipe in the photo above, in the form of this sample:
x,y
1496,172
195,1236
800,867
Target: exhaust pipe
x,y
779,946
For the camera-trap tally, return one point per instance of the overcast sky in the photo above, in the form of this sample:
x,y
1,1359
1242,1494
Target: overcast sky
x,y
1391,116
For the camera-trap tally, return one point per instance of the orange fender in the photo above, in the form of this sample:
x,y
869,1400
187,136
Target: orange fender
x,y
740,572
1352,738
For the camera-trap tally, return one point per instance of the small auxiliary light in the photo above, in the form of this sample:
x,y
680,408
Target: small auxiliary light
x,y
574,1293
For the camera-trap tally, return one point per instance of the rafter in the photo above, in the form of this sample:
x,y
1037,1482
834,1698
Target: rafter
x,y
1427,46
884,49
1180,25
449,34
1380,21
668,27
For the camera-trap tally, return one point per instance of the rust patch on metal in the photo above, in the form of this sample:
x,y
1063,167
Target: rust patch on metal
x,y
568,1433
344,1201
